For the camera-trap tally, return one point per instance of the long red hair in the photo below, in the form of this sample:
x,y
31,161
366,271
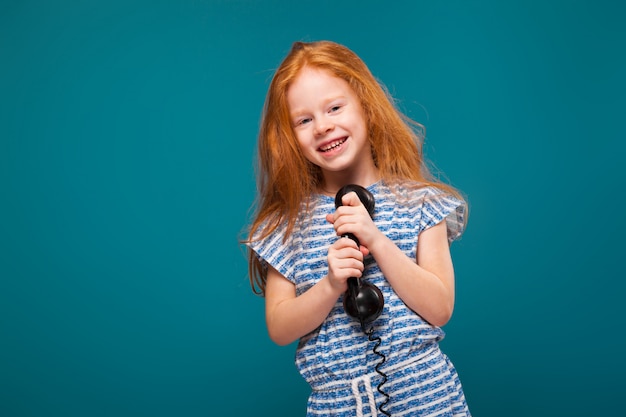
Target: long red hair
x,y
285,178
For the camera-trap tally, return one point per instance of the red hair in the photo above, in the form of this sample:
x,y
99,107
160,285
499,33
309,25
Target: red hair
x,y
285,178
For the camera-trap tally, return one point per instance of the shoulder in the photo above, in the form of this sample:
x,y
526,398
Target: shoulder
x,y
430,205
275,231
407,193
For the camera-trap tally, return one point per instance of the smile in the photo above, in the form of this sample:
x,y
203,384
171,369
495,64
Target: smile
x,y
332,145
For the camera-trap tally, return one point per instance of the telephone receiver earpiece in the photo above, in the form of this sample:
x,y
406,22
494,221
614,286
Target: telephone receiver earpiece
x,y
362,300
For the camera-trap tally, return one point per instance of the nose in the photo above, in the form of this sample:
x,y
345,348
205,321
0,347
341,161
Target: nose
x,y
323,126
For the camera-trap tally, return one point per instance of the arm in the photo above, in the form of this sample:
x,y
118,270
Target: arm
x,y
290,317
426,284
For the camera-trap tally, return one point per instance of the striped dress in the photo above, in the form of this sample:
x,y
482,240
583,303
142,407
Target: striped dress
x,y
337,359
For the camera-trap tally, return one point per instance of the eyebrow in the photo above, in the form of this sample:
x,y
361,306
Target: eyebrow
x,y
326,102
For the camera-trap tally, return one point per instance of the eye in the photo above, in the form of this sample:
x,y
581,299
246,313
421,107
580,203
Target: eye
x,y
334,109
302,121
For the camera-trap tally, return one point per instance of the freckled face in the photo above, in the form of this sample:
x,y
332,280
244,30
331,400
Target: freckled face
x,y
328,120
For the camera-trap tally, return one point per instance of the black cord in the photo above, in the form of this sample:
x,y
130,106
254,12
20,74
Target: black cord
x,y
378,340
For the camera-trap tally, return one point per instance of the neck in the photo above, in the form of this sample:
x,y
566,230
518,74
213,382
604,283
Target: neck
x,y
332,183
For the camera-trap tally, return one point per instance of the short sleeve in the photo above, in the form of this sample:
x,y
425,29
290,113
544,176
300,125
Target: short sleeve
x,y
273,250
438,205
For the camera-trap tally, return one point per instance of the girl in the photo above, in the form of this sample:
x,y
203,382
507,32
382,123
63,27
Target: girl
x,y
328,123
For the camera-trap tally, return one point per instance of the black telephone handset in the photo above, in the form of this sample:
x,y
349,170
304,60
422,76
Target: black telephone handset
x,y
363,300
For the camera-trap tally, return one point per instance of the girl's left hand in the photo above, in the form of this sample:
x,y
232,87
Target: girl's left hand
x,y
352,217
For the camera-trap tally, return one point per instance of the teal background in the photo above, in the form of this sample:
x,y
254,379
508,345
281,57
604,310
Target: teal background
x,y
128,132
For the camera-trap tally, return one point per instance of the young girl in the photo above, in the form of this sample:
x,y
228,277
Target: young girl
x,y
328,123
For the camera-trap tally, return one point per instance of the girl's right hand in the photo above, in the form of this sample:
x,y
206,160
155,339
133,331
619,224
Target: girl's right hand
x,y
345,260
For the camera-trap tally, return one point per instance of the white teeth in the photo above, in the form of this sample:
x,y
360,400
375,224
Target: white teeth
x,y
332,145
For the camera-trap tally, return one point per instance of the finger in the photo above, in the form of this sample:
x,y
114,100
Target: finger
x,y
351,267
351,199
346,242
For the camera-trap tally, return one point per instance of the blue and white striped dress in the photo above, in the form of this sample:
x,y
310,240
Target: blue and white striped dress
x,y
337,359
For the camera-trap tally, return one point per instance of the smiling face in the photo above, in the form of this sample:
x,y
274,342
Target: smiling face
x,y
331,129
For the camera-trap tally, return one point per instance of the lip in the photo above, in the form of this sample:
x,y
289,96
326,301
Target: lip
x,y
339,142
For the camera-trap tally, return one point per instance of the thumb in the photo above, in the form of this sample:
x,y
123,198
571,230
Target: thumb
x,y
351,199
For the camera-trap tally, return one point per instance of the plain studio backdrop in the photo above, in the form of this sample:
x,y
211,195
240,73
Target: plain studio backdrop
x,y
127,139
